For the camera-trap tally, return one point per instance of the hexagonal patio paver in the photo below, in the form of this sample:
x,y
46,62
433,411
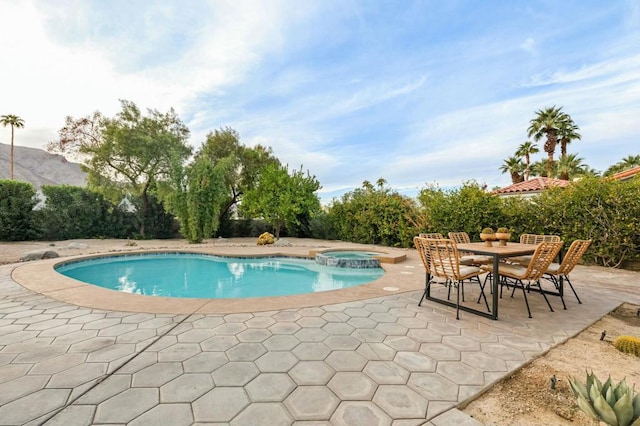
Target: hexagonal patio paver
x,y
415,361
352,386
235,374
186,388
386,372
400,402
460,373
355,413
205,362
276,362
311,351
281,342
270,387
127,405
311,373
346,361
433,386
166,414
311,403
246,352
254,335
276,414
219,343
440,351
157,374
220,404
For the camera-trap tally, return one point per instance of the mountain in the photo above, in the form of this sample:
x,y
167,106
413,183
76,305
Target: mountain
x,y
39,167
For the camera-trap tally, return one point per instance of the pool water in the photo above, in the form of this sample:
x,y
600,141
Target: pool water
x,y
205,276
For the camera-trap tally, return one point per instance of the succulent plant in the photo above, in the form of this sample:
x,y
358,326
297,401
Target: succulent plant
x,y
503,231
628,344
487,231
614,405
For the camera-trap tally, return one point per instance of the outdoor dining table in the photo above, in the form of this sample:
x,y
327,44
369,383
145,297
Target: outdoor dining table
x,y
497,252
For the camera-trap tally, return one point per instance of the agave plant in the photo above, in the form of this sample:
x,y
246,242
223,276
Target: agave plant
x,y
614,405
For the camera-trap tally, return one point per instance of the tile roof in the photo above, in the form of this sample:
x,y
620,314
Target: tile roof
x,y
535,184
627,174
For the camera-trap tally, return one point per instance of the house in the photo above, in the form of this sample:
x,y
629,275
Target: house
x,y
531,187
627,174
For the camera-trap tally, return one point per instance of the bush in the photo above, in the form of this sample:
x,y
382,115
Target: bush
x,y
17,200
371,215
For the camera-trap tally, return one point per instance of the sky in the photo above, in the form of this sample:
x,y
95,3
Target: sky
x,y
415,92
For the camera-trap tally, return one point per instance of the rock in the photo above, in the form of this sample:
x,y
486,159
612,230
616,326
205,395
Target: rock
x,y
38,254
78,246
283,243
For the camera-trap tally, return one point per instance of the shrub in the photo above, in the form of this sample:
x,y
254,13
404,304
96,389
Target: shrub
x,y
17,200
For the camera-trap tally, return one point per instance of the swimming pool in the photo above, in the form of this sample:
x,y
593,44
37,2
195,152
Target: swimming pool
x,y
206,276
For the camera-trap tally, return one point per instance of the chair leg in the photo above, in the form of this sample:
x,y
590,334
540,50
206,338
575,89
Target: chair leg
x,y
566,278
525,296
546,299
458,301
426,289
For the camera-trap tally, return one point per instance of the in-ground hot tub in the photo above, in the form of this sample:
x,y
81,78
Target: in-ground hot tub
x,y
349,259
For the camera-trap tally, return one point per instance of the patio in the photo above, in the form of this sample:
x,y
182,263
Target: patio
x,y
374,358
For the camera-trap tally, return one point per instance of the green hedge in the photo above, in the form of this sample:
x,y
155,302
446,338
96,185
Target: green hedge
x,y
17,200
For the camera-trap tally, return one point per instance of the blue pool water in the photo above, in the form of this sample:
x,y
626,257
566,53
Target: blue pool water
x,y
204,276
351,254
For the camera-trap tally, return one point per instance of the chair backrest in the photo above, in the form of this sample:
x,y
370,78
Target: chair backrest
x,y
423,251
573,256
433,235
444,257
538,238
460,237
541,259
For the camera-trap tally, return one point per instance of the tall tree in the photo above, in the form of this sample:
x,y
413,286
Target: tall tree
x,y
569,166
567,132
281,198
514,166
525,150
547,124
130,153
245,163
16,123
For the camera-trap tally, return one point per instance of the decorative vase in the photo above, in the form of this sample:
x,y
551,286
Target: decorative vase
x,y
488,238
503,237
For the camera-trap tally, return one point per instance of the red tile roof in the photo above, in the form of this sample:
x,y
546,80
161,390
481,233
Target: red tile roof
x,y
627,174
535,184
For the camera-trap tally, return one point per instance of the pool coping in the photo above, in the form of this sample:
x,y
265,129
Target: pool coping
x,y
403,273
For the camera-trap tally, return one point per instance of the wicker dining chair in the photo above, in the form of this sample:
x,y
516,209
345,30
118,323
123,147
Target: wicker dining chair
x,y
531,274
467,258
435,235
532,239
444,263
562,270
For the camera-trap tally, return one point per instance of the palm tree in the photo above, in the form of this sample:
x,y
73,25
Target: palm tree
x,y
539,168
514,166
570,165
567,132
628,162
588,172
547,123
525,150
16,123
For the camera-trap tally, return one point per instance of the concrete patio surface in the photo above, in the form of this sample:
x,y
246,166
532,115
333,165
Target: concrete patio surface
x,y
374,359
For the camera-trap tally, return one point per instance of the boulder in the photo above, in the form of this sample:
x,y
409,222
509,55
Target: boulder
x,y
38,254
77,246
283,243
